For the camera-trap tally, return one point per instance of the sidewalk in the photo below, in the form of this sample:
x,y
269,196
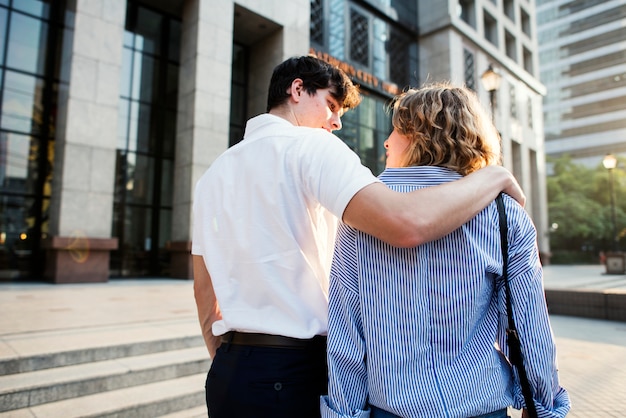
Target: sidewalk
x,y
40,317
583,277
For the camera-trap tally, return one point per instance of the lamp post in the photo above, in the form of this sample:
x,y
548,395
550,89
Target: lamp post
x,y
610,162
491,82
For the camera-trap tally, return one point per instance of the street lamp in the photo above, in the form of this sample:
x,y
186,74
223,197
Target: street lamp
x,y
610,162
491,82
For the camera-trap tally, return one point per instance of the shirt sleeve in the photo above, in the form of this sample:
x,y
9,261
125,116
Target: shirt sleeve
x,y
330,170
347,389
531,318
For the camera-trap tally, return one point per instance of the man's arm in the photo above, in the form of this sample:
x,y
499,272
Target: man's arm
x,y
410,219
206,302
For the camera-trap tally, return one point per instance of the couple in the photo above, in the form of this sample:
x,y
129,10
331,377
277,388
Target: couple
x,y
265,217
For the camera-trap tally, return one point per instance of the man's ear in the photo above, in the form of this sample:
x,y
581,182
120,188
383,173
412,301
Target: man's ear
x,y
295,89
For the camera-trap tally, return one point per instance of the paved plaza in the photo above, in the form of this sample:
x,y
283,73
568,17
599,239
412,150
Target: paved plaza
x,y
40,317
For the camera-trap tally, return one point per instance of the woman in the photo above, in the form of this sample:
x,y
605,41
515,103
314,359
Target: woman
x,y
419,332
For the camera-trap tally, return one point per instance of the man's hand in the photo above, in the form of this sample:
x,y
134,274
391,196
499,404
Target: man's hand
x,y
410,219
513,189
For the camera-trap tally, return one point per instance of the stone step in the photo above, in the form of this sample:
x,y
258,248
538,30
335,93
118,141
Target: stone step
x,y
28,352
29,389
197,412
145,401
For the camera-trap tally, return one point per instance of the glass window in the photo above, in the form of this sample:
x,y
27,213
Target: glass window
x,y
169,133
148,31
167,182
145,77
171,85
365,129
359,37
123,123
146,140
469,72
34,7
402,53
14,158
165,230
21,105
512,101
3,25
139,132
129,39
467,12
238,94
510,45
317,22
16,237
174,41
140,175
26,36
126,73
491,28
337,29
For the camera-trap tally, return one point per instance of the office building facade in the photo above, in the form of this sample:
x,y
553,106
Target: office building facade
x,y
111,111
583,65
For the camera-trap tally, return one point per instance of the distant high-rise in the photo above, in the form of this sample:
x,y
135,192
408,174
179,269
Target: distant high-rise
x,y
582,46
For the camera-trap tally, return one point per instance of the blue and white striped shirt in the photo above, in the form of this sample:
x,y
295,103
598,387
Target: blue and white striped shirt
x,y
416,331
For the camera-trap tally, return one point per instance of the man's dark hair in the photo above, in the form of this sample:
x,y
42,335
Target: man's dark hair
x,y
315,74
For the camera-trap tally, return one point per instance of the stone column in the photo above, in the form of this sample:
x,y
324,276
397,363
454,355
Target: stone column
x,y
81,206
203,113
204,94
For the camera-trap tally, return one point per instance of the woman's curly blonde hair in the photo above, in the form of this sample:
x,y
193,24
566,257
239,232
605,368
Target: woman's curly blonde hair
x,y
447,127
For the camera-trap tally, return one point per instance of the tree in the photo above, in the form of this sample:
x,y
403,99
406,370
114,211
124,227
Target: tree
x,y
579,206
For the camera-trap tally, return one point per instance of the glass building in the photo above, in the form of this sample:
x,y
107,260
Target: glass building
x,y
583,56
111,111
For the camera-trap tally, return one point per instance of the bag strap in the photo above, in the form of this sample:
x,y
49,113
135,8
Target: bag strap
x,y
513,341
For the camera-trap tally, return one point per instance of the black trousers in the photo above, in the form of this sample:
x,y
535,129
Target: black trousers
x,y
259,382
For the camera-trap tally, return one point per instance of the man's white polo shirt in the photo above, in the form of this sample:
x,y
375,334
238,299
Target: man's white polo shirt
x,y
265,217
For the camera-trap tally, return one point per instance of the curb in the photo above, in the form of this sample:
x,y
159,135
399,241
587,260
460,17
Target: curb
x,y
607,305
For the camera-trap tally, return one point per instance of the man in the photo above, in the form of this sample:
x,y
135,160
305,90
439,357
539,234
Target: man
x,y
265,217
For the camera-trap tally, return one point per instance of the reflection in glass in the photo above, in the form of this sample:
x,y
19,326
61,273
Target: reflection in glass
x,y
146,140
169,133
365,130
25,37
126,72
167,183
139,179
138,134
174,41
3,24
14,155
34,7
21,105
148,30
16,235
123,121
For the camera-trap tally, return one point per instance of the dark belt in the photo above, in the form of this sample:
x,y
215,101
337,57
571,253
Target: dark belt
x,y
381,413
267,340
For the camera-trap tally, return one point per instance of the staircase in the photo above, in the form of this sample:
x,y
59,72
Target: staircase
x,y
153,369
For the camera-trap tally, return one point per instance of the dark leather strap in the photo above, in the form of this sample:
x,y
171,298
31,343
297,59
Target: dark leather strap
x,y
515,348
267,340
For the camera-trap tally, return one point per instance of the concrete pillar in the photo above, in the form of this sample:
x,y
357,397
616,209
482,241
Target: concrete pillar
x,y
81,206
203,112
204,94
